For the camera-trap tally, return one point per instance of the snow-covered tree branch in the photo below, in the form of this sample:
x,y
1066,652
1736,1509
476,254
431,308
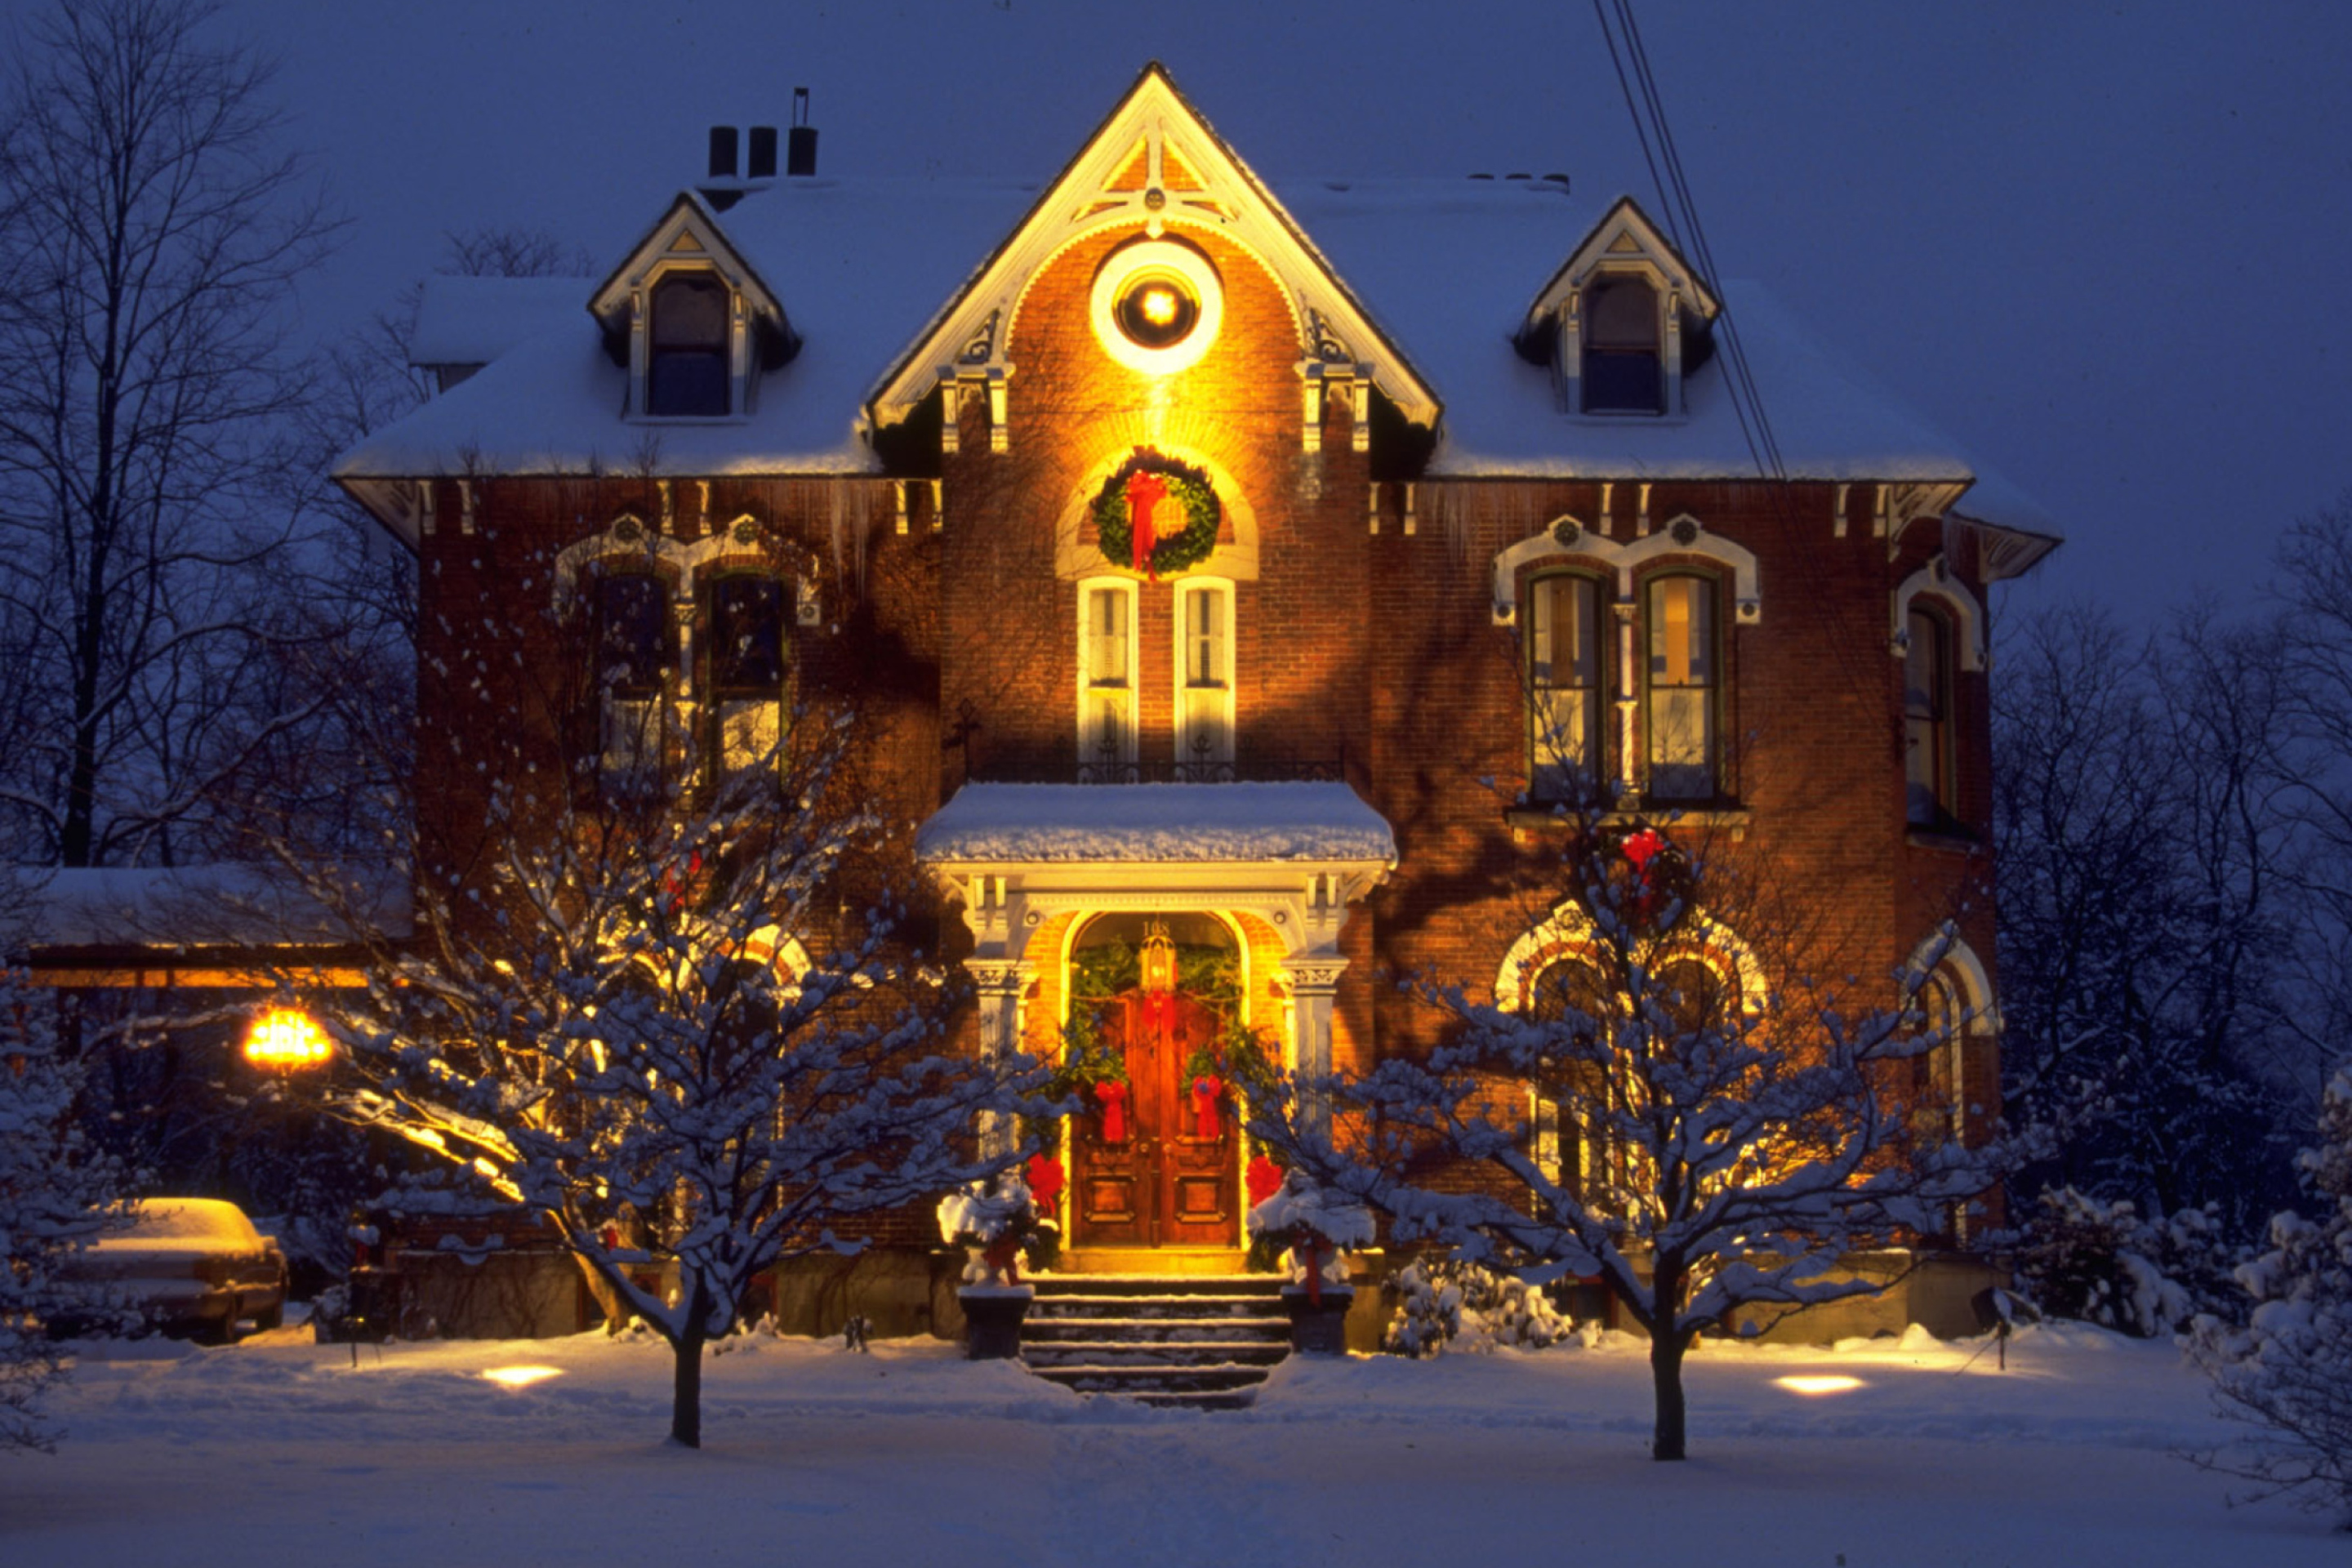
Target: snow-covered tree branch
x,y
1725,1138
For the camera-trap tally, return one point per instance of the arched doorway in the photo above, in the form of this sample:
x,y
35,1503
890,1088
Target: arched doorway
x,y
1155,1162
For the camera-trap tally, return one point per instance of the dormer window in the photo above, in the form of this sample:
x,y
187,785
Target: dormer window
x,y
1624,369
686,369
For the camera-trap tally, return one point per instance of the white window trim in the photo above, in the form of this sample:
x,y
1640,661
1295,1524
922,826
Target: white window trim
x,y
1125,587
739,344
1626,559
1936,580
1187,590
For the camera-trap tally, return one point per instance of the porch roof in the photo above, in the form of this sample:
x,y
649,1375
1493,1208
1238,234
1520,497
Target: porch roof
x,y
1161,823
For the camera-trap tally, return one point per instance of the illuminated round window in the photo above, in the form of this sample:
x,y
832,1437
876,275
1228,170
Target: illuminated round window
x,y
1156,305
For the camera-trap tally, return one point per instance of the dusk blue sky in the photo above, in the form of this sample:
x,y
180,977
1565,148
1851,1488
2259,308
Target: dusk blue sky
x,y
2102,245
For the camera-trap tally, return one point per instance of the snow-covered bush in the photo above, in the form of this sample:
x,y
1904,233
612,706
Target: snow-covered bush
x,y
57,1195
2100,1262
2286,1374
1000,1217
1461,1306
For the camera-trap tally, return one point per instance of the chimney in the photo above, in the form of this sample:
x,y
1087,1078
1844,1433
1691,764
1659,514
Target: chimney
x,y
722,151
800,153
760,163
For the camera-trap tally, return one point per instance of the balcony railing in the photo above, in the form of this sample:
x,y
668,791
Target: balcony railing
x,y
1172,770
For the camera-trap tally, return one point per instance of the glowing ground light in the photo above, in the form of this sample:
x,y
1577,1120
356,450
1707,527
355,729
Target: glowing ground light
x,y
520,1376
1814,1386
287,1037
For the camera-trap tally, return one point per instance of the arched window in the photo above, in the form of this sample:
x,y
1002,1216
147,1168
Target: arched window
x,y
1106,659
1204,678
1683,688
1694,996
1570,1093
1564,727
1623,371
745,613
687,348
634,648
1929,776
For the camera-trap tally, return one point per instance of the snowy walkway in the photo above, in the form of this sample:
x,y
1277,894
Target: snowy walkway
x,y
281,1452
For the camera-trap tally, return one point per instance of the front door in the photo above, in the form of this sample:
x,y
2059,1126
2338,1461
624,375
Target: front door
x,y
1168,1177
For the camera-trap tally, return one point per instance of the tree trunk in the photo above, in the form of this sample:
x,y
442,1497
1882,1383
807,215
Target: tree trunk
x,y
686,1386
1666,1349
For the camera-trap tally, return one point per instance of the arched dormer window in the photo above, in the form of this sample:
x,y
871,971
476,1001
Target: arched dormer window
x,y
687,344
1624,370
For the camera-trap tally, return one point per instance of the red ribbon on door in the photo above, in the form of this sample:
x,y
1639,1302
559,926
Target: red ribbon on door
x,y
1208,1120
1112,1096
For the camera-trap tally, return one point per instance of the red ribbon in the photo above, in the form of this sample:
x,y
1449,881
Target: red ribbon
x,y
1642,848
1044,1182
1145,491
1113,1099
1207,1122
1309,1247
1003,1256
1264,1179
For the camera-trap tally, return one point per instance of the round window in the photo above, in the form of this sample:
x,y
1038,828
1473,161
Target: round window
x,y
1156,305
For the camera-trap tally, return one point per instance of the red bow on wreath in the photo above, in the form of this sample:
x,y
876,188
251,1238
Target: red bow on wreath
x,y
1145,491
1207,1091
1113,1099
1642,848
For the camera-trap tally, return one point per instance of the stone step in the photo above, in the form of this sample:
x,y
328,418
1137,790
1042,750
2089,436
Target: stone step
x,y
1239,1330
1152,1378
1159,1284
1153,1352
1216,1399
1066,1308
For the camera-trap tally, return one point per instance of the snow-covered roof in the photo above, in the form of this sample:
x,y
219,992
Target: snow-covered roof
x,y
1446,268
1156,822
234,905
473,321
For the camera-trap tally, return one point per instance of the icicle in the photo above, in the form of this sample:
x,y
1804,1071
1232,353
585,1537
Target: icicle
x,y
834,495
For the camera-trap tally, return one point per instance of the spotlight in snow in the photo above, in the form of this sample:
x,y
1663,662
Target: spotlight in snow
x,y
1810,1385
521,1376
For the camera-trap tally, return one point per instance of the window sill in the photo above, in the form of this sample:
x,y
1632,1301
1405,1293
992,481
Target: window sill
x,y
1953,840
1735,819
690,419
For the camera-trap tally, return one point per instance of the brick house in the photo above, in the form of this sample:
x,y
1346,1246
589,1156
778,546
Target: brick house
x,y
1258,570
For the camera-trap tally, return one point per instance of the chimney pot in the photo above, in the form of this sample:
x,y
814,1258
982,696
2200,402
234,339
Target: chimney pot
x,y
722,151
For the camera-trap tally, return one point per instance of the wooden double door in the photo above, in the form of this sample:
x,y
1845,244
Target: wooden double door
x,y
1164,1179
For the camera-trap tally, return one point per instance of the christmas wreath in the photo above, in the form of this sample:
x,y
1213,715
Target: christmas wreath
x,y
1133,495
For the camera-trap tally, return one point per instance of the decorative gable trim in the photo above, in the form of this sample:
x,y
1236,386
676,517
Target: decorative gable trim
x,y
1154,162
687,238
1626,243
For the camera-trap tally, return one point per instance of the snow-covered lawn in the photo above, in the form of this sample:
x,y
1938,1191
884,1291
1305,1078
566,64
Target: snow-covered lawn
x,y
281,1451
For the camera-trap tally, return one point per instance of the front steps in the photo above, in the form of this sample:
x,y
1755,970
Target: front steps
x,y
1199,1342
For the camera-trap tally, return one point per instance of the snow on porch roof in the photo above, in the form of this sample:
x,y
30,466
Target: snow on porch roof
x,y
1156,822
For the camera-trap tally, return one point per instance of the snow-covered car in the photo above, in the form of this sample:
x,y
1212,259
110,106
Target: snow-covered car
x,y
190,1264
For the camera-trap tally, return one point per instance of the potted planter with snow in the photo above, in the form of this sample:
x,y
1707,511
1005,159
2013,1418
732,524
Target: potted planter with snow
x,y
1316,1229
994,1222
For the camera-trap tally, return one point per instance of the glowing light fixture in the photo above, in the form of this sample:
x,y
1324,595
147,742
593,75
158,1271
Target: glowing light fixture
x,y
1814,1386
1156,305
287,1037
1158,961
516,1377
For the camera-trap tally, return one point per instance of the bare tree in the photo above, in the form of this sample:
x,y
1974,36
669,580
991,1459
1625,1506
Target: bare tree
x,y
1723,1140
151,232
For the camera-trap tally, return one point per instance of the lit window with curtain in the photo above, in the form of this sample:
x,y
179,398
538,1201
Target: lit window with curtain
x,y
1683,678
1204,662
1105,682
635,646
1573,1094
1930,795
747,668
1563,688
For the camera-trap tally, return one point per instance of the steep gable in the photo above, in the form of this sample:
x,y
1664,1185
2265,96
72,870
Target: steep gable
x,y
1155,162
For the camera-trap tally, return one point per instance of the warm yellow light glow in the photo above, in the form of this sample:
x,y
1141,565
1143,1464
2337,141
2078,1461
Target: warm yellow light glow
x,y
520,1376
1818,1385
1159,305
287,1037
